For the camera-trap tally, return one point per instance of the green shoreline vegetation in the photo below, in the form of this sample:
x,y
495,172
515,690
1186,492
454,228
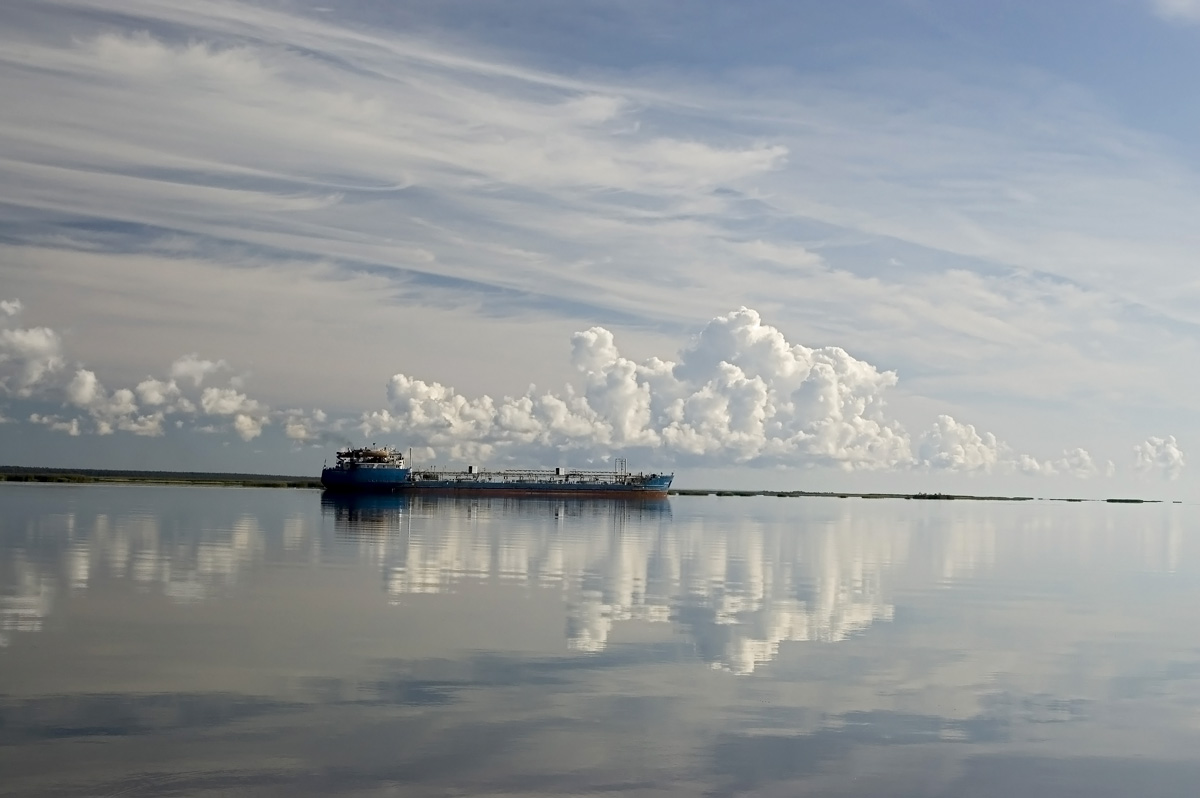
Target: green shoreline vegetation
x,y
84,476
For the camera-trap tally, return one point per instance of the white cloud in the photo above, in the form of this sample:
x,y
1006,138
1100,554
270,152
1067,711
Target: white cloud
x,y
248,427
153,392
1162,455
149,425
1078,463
28,357
249,415
111,412
84,389
227,402
958,447
71,427
741,393
1028,464
255,132
1181,10
194,368
10,307
783,254
309,426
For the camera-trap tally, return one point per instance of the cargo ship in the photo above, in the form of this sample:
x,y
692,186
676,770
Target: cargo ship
x,y
385,470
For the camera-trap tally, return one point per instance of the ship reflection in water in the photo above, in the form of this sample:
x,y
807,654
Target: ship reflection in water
x,y
246,642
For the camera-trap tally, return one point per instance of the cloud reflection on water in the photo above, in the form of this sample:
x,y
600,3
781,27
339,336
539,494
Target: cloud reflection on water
x,y
63,552
738,591
264,640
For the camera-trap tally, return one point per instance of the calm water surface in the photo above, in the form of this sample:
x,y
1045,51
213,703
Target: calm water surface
x,y
205,641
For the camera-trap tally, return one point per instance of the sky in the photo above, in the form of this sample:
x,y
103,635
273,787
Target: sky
x,y
888,245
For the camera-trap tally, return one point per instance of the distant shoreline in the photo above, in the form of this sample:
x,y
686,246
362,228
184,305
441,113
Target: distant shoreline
x,y
836,494
114,476
83,476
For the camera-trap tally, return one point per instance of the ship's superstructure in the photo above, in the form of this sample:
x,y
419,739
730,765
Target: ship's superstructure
x,y
384,469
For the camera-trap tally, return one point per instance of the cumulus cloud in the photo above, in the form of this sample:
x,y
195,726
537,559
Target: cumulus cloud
x,y
1078,463
248,427
32,365
738,393
84,388
249,415
154,393
1073,462
111,411
1161,455
958,447
194,368
315,427
741,393
955,446
227,402
71,427
28,356
143,410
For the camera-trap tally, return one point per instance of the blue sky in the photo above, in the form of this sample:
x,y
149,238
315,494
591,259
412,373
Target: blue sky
x,y
883,245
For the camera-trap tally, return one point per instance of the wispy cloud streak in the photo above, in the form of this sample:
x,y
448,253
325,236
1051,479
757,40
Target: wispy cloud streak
x,y
997,235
